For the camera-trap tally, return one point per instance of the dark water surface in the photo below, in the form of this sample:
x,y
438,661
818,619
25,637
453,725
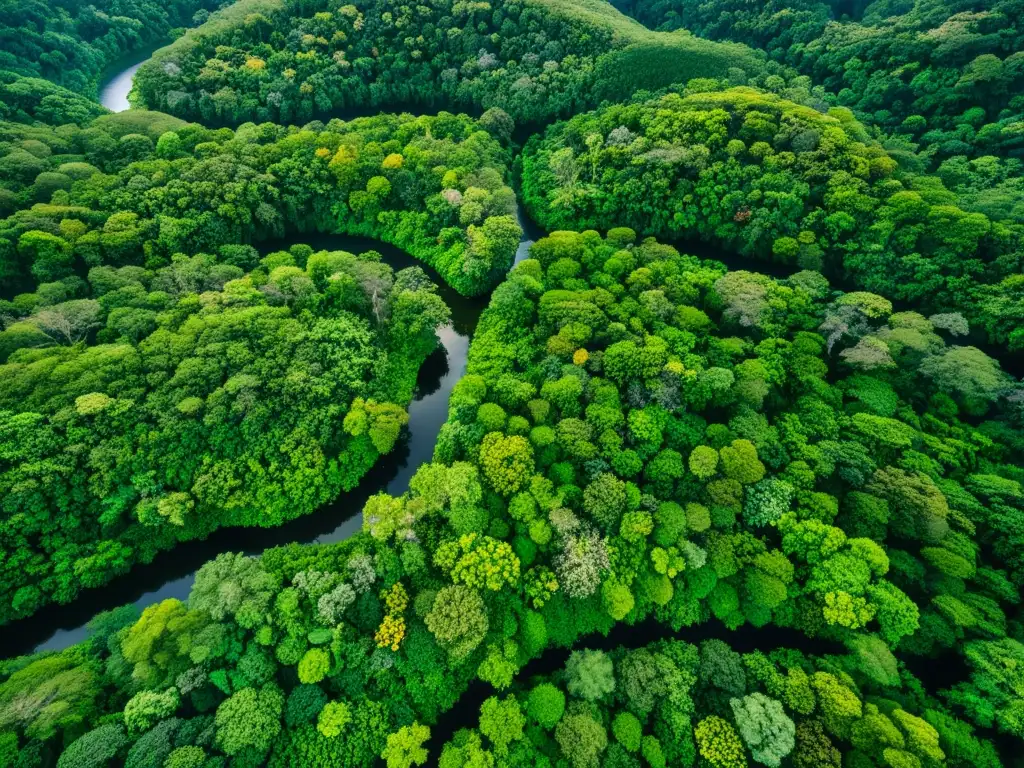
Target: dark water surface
x,y
172,572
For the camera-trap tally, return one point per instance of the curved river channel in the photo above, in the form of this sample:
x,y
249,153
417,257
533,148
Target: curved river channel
x,y
171,573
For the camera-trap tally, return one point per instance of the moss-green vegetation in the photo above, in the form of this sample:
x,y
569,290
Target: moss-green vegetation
x,y
536,59
779,181
643,442
640,436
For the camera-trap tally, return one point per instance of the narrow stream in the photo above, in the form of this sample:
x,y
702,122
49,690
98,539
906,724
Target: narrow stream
x,y
116,87
171,573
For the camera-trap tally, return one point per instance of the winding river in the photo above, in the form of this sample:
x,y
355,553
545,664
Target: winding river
x,y
117,85
171,573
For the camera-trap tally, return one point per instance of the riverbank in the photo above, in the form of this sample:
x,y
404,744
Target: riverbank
x,y
171,573
116,83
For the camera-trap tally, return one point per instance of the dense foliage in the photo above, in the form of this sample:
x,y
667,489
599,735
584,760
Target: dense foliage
x,y
780,181
290,60
31,99
212,397
640,436
52,54
672,703
644,445
71,44
137,187
947,76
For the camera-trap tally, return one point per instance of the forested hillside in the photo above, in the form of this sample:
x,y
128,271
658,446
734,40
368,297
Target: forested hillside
x,y
943,81
153,435
665,511
779,181
291,61
137,187
52,54
638,437
71,43
107,257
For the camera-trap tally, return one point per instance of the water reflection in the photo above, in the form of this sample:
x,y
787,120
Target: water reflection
x,y
114,89
172,573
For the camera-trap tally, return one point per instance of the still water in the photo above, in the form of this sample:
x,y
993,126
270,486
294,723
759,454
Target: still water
x,y
172,573
115,88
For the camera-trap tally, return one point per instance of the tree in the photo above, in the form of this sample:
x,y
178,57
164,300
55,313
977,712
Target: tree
x,y
147,708
644,678
718,743
545,705
990,697
498,123
314,665
839,706
50,256
918,509
233,585
582,562
590,674
69,322
968,373
764,727
767,501
722,667
814,748
502,721
95,749
581,740
506,461
382,422
333,718
250,718
50,694
479,562
458,620
304,703
466,750
703,462
740,462
605,501
186,757
158,644
405,746
617,599
627,731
